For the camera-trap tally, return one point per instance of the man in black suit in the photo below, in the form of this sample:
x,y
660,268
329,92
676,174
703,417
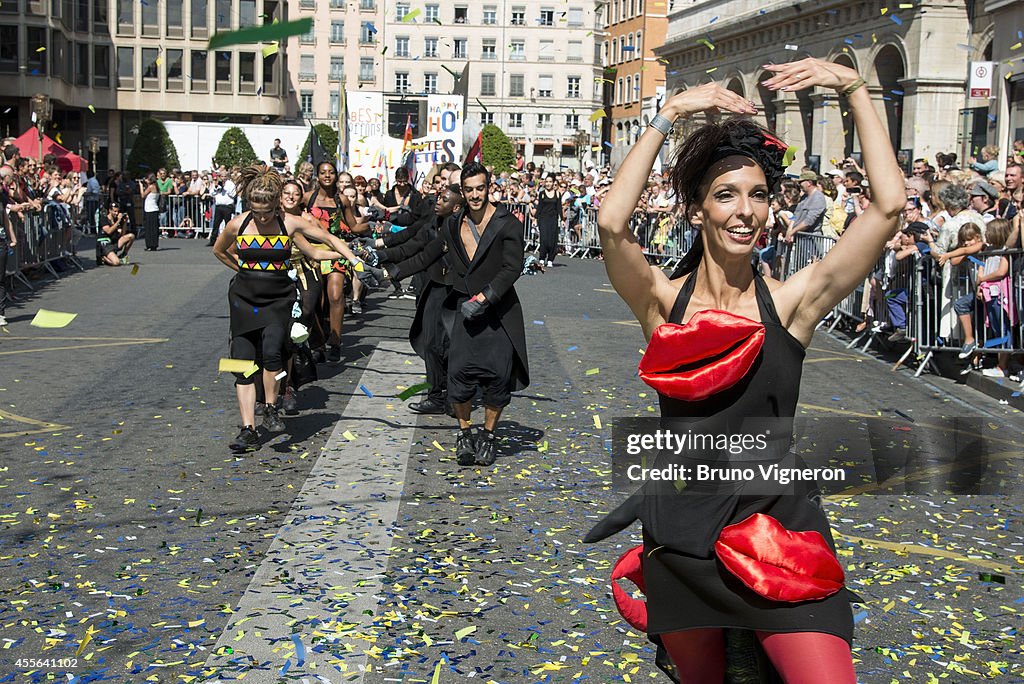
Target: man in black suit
x,y
482,250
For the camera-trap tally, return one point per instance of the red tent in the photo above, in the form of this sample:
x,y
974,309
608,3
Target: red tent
x,y
28,145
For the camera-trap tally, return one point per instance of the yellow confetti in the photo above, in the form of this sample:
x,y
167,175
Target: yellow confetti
x,y
59,141
906,5
885,10
135,269
92,109
347,434
599,114
597,421
245,366
706,43
85,640
52,319
1015,46
593,371
461,634
438,446
437,673
41,49
411,15
269,50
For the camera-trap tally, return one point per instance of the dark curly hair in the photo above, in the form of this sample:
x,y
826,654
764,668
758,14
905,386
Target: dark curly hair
x,y
711,143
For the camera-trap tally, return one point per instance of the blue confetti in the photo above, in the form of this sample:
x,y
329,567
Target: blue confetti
x,y
992,117
763,12
628,48
713,19
300,650
836,399
586,317
572,348
538,322
860,616
848,41
370,27
607,143
366,391
896,92
896,20
287,665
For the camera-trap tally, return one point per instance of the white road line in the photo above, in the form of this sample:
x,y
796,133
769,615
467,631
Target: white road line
x,y
318,587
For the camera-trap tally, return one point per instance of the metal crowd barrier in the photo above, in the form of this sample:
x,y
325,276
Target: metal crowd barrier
x,y
187,213
43,238
917,296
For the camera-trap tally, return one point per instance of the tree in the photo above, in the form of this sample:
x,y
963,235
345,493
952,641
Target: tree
x,y
234,149
498,151
153,150
329,140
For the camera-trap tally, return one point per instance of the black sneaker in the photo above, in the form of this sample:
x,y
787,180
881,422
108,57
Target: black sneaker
x,y
357,308
288,403
259,408
486,448
318,356
397,293
247,440
334,353
465,447
272,420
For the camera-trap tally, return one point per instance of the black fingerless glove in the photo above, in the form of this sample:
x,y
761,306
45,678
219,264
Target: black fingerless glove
x,y
473,308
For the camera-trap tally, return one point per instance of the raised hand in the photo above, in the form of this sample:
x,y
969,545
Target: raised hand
x,y
808,73
709,97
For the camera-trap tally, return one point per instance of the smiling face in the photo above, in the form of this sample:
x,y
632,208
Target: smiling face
x,y
326,175
733,208
474,190
291,197
447,203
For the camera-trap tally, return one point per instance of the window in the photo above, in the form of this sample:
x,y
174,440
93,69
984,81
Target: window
x,y
516,87
200,71
490,15
461,15
487,88
337,32
615,51
430,47
638,47
99,18
367,34
575,17
246,13
575,52
174,18
627,48
150,19
309,38
174,66
459,48
490,49
367,6
100,66
543,121
517,50
433,14
307,68
402,46
307,4
199,18
486,118
125,17
618,92
547,50
518,16
334,105
573,88
544,86
547,17
515,120
125,67
82,61
222,71
82,19
430,83
306,103
337,4
36,38
401,9
572,122
150,69
402,81
366,69
628,95
222,13
337,68
9,49
270,75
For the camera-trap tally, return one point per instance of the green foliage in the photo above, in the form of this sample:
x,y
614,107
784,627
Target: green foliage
x,y
153,149
328,138
497,150
235,149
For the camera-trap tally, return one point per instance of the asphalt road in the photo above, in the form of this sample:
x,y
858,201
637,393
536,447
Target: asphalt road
x,y
135,548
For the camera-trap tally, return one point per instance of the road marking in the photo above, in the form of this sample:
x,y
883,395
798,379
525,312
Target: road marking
x,y
633,323
601,289
121,342
44,426
322,576
926,551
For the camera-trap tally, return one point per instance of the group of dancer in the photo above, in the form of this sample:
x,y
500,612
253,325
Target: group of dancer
x,y
725,344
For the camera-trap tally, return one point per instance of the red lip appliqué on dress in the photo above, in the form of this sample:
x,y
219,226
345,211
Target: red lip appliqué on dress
x,y
629,566
777,563
711,353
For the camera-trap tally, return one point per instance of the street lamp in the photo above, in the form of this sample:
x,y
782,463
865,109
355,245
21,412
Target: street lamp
x,y
42,110
94,149
582,141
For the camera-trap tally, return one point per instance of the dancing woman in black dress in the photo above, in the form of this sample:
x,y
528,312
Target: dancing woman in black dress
x,y
547,210
754,331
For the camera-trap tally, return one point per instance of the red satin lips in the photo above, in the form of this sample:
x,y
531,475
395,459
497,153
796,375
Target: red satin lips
x,y
712,352
629,566
777,563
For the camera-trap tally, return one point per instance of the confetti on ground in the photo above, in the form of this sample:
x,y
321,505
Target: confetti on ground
x,y
52,319
593,371
414,390
347,434
135,269
365,391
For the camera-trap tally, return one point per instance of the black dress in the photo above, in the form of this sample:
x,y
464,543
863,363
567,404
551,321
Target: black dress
x,y
687,587
549,211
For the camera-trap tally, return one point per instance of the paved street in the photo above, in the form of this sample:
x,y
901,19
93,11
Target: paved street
x,y
135,548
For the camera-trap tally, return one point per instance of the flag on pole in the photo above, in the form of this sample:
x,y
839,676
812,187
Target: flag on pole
x,y
462,88
409,162
342,128
317,155
476,151
407,138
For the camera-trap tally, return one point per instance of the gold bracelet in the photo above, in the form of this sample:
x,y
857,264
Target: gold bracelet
x,y
856,84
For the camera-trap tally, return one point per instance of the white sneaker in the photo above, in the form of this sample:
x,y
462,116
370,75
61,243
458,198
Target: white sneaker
x,y
993,373
551,264
3,321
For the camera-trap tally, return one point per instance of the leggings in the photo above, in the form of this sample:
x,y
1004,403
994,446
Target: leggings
x,y
799,657
266,344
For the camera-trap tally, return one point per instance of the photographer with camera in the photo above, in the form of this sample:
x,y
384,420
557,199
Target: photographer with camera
x,y
115,238
224,195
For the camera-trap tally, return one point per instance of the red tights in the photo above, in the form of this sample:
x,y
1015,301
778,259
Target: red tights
x,y
799,657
